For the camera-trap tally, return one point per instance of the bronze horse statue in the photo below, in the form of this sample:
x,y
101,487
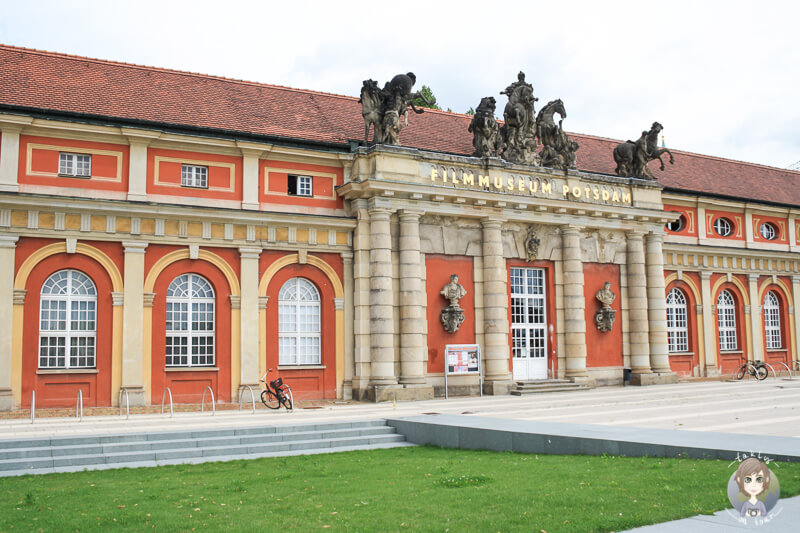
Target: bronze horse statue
x,y
632,156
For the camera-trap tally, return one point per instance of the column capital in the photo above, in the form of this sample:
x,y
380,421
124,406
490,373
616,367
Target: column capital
x,y
147,299
246,252
410,214
753,277
338,304
492,222
140,137
378,212
795,279
19,296
117,299
705,276
637,234
378,205
236,301
134,247
347,257
656,234
8,241
262,302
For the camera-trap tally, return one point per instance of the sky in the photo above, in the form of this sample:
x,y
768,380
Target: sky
x,y
722,77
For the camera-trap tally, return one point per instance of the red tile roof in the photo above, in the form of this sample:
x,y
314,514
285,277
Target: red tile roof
x,y
70,84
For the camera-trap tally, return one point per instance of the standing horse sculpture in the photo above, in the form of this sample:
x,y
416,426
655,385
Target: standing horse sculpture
x,y
559,150
385,107
519,135
632,156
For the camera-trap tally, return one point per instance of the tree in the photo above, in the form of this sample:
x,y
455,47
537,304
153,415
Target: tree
x,y
470,111
428,93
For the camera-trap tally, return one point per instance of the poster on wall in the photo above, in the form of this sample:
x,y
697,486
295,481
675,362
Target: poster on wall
x,y
462,360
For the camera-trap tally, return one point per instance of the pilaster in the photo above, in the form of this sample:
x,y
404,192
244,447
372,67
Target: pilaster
x,y
574,304
757,336
796,316
9,157
133,323
638,313
709,328
349,333
7,252
495,305
249,370
139,140
362,359
250,178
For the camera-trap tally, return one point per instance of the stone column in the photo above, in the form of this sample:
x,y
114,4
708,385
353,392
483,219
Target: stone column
x,y
796,316
412,294
637,303
495,310
709,326
133,323
362,359
756,350
7,250
349,337
248,258
574,304
381,299
657,308
9,157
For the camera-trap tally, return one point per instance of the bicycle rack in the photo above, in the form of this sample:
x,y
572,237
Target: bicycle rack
x,y
203,401
33,405
166,390
127,403
79,404
252,397
771,368
789,370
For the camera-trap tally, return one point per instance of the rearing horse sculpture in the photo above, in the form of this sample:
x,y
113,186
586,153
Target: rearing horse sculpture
x,y
371,109
558,150
632,157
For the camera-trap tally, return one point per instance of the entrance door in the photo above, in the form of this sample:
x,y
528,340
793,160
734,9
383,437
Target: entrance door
x,y
528,323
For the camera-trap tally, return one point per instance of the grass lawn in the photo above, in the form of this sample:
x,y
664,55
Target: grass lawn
x,y
415,489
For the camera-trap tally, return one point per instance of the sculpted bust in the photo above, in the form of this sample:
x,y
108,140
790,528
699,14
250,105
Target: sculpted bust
x,y
453,291
604,317
605,295
453,316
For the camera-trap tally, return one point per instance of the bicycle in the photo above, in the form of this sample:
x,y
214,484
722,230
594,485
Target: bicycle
x,y
757,369
277,393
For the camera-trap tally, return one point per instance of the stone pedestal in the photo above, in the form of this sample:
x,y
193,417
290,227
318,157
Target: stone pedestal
x,y
400,393
138,397
654,378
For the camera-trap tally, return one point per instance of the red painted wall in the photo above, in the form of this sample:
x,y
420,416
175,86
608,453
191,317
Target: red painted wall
x,y
273,184
727,362
106,173
603,348
690,216
781,225
736,219
439,268
219,177
684,364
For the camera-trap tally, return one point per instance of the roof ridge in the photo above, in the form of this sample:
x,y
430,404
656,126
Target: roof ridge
x,y
75,57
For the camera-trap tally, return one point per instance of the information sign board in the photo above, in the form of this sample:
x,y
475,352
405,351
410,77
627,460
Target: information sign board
x,y
462,360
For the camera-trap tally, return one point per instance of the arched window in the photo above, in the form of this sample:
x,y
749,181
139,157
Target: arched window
x,y
726,321
772,321
67,321
190,322
677,325
299,323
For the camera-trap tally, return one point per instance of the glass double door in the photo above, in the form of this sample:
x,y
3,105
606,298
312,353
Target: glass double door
x,y
528,323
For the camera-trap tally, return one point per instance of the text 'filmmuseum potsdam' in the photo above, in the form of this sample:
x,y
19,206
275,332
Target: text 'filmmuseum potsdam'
x,y
162,229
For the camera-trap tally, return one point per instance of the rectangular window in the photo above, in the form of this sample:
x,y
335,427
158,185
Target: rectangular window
x,y
194,176
300,186
772,325
75,165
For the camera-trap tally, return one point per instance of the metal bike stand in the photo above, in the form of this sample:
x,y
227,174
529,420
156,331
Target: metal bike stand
x,y
166,390
252,397
203,401
33,406
127,403
79,404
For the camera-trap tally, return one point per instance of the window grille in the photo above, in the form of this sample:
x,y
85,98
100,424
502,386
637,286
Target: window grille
x,y
528,317
677,324
772,321
768,231
67,321
300,186
76,165
723,227
299,338
726,321
190,322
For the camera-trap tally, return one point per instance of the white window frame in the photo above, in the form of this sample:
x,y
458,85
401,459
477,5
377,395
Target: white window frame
x,y
723,227
528,312
74,165
677,322
772,321
299,323
195,176
73,307
194,313
726,322
768,231
304,185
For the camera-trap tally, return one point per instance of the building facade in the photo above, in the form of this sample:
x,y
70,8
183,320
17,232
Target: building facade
x,y
166,230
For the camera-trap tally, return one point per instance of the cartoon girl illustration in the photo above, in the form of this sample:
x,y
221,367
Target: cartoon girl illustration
x,y
752,477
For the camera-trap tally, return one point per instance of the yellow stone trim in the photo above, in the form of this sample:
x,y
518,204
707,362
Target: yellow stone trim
x,y
695,291
197,162
787,291
73,150
183,253
338,292
59,247
742,289
236,354
701,347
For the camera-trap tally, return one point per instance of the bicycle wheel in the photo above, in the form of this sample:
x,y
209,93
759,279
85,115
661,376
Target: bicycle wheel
x,y
741,372
288,400
761,373
269,399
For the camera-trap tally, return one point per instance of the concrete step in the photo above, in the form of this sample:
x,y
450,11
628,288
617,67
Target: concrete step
x,y
71,453
547,387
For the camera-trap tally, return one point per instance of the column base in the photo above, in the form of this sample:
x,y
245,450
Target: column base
x,y
391,393
244,392
6,400
360,389
654,378
136,396
588,381
712,372
134,197
347,390
497,388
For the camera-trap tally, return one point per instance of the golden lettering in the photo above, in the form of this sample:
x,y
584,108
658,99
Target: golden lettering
x,y
444,175
533,185
606,196
547,188
565,190
455,177
521,184
483,181
469,179
626,197
596,193
615,198
434,174
576,192
498,182
587,192
510,185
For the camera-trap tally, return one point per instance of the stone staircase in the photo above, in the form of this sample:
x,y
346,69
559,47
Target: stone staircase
x,y
545,385
69,454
